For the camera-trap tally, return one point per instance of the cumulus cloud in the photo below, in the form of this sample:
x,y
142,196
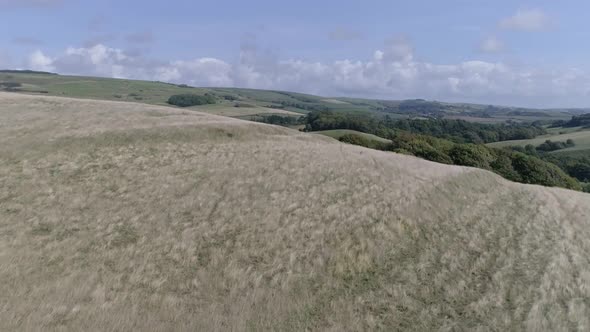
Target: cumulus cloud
x,y
104,61
392,72
39,61
491,45
197,72
526,20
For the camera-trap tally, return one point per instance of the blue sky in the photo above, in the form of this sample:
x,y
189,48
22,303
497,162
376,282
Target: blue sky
x,y
497,52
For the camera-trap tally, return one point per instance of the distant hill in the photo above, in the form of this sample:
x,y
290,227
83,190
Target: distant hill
x,y
133,217
159,92
9,71
578,121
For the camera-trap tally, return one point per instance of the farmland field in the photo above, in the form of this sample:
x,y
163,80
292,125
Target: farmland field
x,y
581,139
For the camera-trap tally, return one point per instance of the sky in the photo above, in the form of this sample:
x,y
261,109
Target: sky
x,y
532,54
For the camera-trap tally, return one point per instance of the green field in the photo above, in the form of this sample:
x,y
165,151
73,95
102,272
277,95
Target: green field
x,y
155,93
341,132
581,139
98,88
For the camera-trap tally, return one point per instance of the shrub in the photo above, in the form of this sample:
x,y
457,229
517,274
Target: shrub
x,y
187,100
535,171
471,155
549,145
10,85
277,120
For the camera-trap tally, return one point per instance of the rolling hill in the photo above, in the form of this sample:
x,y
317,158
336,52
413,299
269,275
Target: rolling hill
x,y
128,216
264,101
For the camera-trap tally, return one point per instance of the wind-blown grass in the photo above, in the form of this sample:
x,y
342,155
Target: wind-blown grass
x,y
118,216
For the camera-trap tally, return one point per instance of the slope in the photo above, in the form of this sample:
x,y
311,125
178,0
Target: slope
x,y
122,216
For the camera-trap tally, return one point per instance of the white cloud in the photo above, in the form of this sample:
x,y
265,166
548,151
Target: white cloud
x,y
197,72
526,20
39,61
491,45
392,73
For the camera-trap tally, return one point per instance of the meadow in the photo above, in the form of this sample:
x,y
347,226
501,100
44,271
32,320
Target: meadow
x,y
580,136
127,216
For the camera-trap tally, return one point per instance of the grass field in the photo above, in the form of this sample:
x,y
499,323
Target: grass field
x,y
129,217
581,139
231,111
502,119
156,93
98,88
341,132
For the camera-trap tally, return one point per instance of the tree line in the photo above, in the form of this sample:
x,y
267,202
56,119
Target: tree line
x,y
576,121
279,120
459,131
188,100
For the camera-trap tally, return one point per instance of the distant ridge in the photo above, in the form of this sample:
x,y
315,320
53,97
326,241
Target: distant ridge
x,y
26,71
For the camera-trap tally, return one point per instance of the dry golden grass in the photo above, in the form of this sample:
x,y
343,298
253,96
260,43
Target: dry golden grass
x,y
119,217
228,110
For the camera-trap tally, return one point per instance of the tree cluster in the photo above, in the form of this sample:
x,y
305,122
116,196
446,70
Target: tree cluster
x,y
458,131
512,165
576,167
550,145
576,121
279,120
187,100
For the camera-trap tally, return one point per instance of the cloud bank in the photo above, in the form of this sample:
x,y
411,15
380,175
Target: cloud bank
x,y
393,72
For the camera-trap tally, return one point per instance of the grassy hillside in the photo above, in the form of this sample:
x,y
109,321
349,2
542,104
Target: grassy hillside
x,y
125,216
337,133
157,93
580,136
